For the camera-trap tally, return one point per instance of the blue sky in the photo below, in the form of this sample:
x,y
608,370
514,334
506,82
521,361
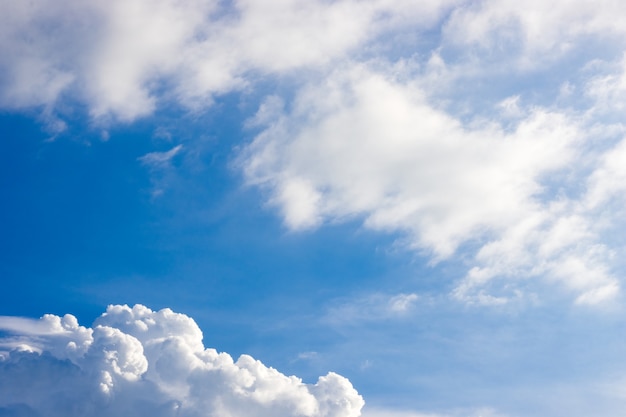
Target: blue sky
x,y
426,198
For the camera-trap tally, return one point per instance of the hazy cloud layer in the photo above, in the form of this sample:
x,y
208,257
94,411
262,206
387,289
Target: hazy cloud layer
x,y
134,361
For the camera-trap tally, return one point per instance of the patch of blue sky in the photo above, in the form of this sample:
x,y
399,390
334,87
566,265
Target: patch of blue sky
x,y
471,359
100,236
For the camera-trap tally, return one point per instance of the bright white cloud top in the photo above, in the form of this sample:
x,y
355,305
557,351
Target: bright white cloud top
x,y
135,361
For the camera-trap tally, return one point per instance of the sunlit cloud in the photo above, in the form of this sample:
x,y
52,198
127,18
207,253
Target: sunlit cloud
x,y
365,145
153,362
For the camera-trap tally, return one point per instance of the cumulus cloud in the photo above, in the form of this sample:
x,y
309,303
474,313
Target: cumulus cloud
x,y
366,144
135,361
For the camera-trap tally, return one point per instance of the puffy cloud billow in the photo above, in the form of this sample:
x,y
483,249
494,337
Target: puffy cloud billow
x,y
139,362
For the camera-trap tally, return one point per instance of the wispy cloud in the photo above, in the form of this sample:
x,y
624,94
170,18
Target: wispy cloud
x,y
160,160
162,171
372,307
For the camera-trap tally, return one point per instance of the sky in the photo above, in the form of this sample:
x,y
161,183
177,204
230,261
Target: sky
x,y
292,208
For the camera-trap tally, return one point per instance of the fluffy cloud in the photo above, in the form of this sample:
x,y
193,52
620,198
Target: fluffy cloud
x,y
121,57
368,144
135,361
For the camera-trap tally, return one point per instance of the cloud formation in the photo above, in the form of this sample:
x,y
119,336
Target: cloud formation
x,y
121,57
156,160
536,30
418,118
367,144
135,361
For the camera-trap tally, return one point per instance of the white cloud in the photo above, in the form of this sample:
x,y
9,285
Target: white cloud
x,y
162,172
156,160
537,32
364,144
135,361
609,89
371,307
121,57
382,146
307,355
530,51
402,302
